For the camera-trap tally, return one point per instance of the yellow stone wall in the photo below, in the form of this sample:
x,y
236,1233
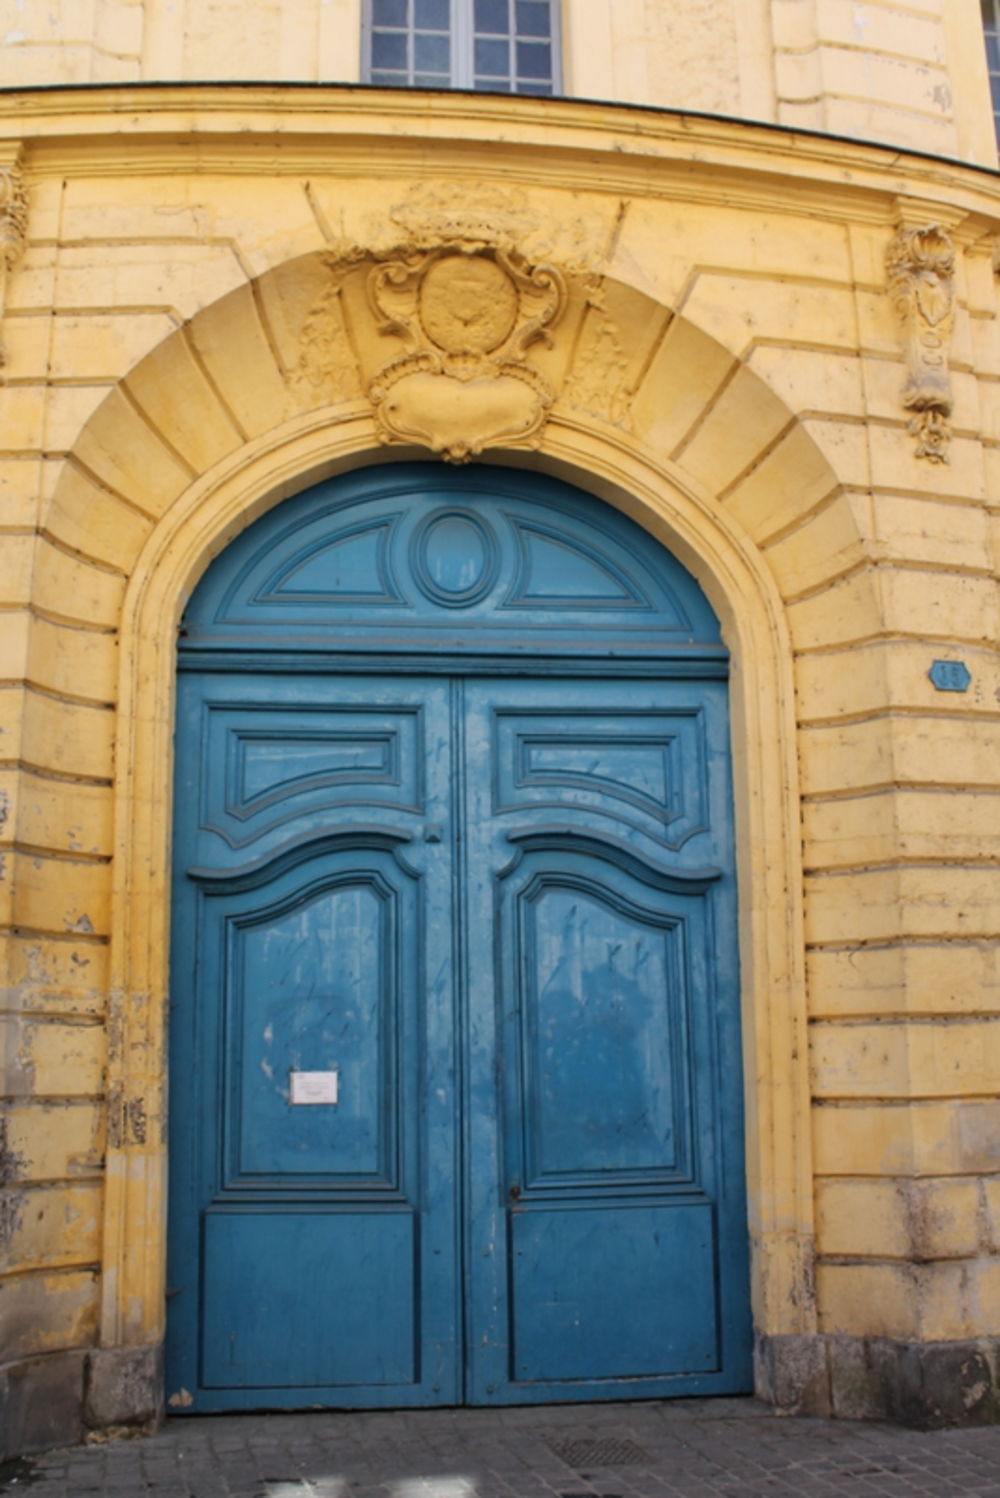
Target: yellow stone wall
x,y
912,74
731,372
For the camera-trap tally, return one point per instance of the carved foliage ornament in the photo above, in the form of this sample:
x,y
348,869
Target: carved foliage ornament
x,y
467,316
13,230
921,265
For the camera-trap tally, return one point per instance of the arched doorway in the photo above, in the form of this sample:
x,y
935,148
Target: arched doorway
x,y
456,1090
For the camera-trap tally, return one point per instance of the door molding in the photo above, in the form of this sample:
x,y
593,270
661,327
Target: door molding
x,y
664,501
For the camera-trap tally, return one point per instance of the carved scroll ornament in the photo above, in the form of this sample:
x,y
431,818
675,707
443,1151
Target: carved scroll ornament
x,y
921,265
13,231
467,316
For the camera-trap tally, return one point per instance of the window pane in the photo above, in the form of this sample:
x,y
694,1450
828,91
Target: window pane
x,y
389,49
993,50
511,44
492,16
388,12
534,60
431,54
533,17
432,15
492,59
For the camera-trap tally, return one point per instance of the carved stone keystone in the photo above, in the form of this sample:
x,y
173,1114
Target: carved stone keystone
x,y
467,316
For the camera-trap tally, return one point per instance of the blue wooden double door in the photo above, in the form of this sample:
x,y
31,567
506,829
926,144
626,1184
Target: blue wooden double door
x,y
455,1077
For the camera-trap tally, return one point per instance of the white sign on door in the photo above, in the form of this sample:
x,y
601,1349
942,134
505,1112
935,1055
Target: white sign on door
x,y
313,1087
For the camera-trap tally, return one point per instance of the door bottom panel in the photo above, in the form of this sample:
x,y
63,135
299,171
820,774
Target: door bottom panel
x,y
575,1276
345,1317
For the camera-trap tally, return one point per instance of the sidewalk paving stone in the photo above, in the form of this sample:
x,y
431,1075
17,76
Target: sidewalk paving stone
x,y
728,1448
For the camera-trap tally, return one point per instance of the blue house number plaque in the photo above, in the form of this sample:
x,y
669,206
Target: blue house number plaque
x,y
950,676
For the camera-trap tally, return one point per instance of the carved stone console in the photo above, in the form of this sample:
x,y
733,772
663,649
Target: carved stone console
x,y
921,266
13,229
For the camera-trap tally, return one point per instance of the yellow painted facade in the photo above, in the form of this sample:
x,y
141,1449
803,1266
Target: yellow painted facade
x,y
781,356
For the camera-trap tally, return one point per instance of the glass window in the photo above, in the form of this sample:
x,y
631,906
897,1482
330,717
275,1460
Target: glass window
x,y
505,45
991,31
389,13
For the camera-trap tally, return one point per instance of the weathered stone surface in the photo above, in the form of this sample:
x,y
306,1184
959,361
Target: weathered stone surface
x,y
940,1384
124,1386
41,1403
924,1385
791,1373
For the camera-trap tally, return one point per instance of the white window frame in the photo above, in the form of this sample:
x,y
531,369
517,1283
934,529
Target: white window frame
x,y
462,33
990,10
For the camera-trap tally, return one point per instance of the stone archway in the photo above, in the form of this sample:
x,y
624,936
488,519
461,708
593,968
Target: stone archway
x,y
224,419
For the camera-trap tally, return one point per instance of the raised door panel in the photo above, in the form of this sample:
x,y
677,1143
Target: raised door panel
x,y
596,1055
275,768
600,1294
641,767
312,1005
300,1300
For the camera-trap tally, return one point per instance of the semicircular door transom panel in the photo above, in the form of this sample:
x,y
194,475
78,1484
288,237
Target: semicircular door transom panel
x,y
480,560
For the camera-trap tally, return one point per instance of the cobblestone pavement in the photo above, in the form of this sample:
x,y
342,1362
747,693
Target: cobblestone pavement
x,y
732,1448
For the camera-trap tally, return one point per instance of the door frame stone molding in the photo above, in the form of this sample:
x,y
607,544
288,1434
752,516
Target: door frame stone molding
x,y
678,512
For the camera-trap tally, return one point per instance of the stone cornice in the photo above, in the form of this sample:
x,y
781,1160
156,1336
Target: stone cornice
x,y
291,130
